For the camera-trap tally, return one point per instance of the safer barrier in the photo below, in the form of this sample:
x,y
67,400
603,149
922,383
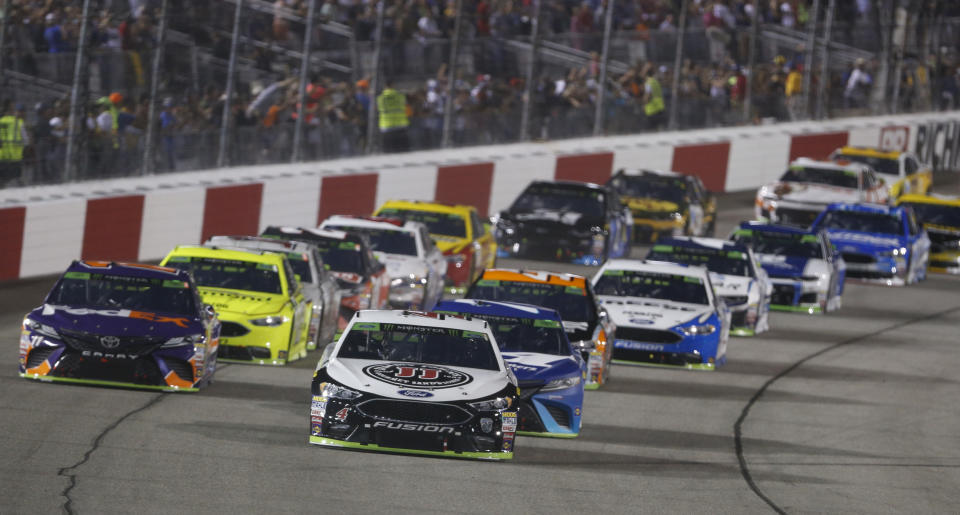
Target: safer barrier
x,y
43,228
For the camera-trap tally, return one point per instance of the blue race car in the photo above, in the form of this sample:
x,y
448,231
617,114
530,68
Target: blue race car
x,y
549,371
667,314
122,324
807,274
880,243
574,222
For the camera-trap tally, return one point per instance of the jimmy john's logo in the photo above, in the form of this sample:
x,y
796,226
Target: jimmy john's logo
x,y
423,376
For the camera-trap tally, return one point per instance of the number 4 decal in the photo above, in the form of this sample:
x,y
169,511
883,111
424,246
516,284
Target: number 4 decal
x,y
341,415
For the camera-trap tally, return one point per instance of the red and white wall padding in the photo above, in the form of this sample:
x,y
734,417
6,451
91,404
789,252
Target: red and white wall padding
x,y
43,228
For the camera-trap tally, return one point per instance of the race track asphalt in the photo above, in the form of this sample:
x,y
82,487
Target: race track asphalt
x,y
853,412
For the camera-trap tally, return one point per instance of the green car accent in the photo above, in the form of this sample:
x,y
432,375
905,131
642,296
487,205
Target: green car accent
x,y
796,309
591,386
51,379
688,366
548,435
742,331
330,442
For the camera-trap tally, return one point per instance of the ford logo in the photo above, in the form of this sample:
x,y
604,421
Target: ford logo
x,y
415,393
109,342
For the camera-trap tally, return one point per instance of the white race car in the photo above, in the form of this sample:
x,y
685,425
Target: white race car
x,y
417,268
421,383
808,186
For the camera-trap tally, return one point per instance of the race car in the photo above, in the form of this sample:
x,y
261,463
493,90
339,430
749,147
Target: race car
x,y
665,203
416,267
735,273
880,244
362,278
807,274
808,186
549,371
940,216
265,317
586,323
667,314
410,382
902,171
574,222
122,324
319,286
459,233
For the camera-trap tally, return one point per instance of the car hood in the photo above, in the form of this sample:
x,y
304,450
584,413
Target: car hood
x,y
380,378
119,322
813,193
730,285
252,303
534,366
401,265
854,241
652,313
651,205
449,244
554,219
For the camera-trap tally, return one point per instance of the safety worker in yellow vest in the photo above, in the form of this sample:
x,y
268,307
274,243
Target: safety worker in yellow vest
x,y
653,106
392,108
14,136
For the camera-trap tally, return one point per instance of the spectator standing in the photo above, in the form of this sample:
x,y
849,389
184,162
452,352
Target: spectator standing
x,y
168,124
13,138
53,35
855,91
653,105
392,108
793,90
42,138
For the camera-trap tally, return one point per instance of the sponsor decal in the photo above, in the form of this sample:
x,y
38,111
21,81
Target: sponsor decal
x,y
938,144
318,408
576,411
507,445
108,355
315,429
621,344
895,138
508,423
415,393
640,321
50,309
423,376
282,354
414,427
857,237
342,414
109,342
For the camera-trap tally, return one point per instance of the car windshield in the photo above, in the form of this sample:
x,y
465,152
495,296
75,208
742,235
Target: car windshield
x,y
419,344
727,262
96,290
340,255
384,240
880,164
573,303
652,285
780,244
937,214
553,197
877,223
672,189
515,334
300,263
230,273
440,224
830,177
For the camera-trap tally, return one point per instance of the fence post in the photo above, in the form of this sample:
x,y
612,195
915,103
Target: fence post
x,y
147,167
3,34
302,93
222,158
530,85
824,61
446,138
677,62
751,63
78,98
598,120
372,125
808,58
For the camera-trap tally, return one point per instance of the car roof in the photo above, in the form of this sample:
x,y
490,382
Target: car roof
x,y
704,243
852,150
396,316
311,235
765,227
250,255
570,185
916,198
644,172
534,276
371,222
128,269
259,243
806,162
426,205
865,208
661,267
497,308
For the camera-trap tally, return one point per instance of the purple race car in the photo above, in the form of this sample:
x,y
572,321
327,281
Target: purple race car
x,y
122,324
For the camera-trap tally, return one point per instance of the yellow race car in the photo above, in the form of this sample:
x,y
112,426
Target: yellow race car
x,y
665,204
265,317
902,171
940,216
459,233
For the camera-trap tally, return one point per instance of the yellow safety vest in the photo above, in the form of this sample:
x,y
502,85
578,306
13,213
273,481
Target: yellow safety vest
x,y
655,104
392,106
11,138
